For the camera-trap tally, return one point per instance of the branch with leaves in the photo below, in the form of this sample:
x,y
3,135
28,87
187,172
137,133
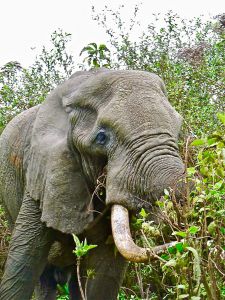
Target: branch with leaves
x,y
81,249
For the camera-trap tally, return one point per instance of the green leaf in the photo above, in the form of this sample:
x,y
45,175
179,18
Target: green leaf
x,y
64,291
165,256
212,227
172,250
143,213
198,142
171,263
193,229
94,45
103,47
180,233
91,273
184,296
180,247
191,171
221,212
222,229
221,117
218,185
212,141
196,266
76,240
81,247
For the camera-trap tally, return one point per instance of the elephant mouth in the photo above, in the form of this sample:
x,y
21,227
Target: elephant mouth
x,y
123,239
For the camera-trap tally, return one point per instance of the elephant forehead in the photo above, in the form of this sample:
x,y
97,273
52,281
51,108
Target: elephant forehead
x,y
144,109
101,88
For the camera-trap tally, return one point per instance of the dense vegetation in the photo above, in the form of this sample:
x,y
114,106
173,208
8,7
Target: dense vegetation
x,y
190,57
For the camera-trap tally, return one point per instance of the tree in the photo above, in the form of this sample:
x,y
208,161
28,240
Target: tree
x,y
22,88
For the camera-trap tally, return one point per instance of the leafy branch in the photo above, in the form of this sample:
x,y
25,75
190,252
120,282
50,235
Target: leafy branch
x,y
81,249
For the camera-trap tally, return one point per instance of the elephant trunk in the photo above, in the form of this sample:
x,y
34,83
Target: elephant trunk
x,y
123,239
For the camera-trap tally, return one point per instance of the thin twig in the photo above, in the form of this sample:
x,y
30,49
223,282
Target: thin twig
x,y
152,252
128,289
139,278
85,289
100,184
217,268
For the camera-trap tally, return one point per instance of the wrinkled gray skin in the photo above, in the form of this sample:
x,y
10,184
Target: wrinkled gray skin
x,y
50,158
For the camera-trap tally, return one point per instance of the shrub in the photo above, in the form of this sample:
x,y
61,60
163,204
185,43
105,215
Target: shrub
x,y
194,268
22,88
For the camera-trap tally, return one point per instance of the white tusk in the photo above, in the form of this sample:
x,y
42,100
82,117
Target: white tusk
x,y
123,239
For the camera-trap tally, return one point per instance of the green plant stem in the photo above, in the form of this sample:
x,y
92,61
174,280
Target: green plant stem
x,y
79,279
86,285
215,291
206,286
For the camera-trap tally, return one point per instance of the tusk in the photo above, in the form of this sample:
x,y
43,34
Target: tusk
x,y
123,239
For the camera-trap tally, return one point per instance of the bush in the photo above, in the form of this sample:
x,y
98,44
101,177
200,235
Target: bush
x,y
194,268
4,239
22,88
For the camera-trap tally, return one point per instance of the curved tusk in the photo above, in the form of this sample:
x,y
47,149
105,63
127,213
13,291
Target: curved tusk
x,y
123,239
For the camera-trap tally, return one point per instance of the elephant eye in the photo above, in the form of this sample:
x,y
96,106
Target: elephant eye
x,y
101,138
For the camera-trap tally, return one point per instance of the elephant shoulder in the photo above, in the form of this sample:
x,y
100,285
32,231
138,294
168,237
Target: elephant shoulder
x,y
18,127
14,143
16,137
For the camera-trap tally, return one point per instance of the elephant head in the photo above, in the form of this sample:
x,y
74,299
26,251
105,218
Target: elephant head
x,y
119,121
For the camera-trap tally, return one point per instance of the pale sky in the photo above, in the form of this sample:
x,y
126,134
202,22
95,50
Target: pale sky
x,y
25,24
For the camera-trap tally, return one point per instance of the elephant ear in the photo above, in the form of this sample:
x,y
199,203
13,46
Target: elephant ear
x,y
54,175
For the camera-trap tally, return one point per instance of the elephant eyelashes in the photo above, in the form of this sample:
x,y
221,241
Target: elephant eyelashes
x,y
101,138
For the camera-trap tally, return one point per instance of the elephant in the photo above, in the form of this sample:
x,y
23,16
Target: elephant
x,y
108,130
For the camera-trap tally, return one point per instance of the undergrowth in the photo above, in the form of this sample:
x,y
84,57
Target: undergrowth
x,y
194,268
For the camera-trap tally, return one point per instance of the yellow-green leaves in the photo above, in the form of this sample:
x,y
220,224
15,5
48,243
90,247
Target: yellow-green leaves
x,y
82,248
221,117
198,142
191,230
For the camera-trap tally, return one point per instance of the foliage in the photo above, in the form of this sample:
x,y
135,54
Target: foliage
x,y
98,56
188,54
63,292
82,248
22,88
195,267
4,238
